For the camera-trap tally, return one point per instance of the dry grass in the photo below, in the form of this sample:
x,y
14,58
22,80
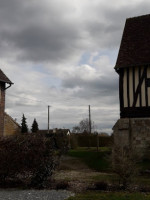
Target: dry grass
x,y
78,175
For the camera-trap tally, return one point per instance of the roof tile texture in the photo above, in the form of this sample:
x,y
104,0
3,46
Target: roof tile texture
x,y
4,78
135,44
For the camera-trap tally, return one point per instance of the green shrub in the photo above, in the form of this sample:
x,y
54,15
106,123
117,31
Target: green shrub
x,y
61,142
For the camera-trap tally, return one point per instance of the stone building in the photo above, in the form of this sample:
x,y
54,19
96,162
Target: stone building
x,y
133,67
11,127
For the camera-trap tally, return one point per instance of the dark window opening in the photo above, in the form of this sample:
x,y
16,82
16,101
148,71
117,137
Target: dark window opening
x,y
148,82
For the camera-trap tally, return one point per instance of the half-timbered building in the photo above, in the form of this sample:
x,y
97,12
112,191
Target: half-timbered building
x,y
133,67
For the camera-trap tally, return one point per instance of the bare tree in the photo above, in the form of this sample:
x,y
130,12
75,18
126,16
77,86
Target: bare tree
x,y
124,164
76,129
83,126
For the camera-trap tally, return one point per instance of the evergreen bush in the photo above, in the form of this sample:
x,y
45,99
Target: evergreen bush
x,y
24,127
34,127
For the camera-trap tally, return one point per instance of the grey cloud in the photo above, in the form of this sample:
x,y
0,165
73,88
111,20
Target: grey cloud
x,y
107,33
105,86
42,44
103,82
36,33
99,97
42,32
127,10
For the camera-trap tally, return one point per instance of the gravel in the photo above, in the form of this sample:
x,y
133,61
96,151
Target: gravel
x,y
34,194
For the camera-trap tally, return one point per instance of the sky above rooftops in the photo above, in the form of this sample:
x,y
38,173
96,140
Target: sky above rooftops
x,y
62,53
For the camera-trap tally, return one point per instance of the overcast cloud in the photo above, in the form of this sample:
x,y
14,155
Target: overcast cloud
x,y
62,53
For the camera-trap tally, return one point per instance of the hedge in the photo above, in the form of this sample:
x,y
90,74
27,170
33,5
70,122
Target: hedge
x,y
85,140
29,156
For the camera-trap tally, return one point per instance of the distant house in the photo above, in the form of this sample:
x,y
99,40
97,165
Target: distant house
x,y
11,127
3,81
64,131
56,131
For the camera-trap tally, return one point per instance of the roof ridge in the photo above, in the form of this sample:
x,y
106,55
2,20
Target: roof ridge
x,y
141,16
12,119
4,78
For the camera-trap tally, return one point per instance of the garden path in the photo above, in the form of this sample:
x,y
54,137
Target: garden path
x,y
34,194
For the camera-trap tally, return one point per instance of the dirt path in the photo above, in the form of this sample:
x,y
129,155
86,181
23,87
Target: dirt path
x,y
74,169
77,173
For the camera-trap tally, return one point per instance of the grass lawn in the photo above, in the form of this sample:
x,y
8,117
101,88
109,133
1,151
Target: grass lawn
x,y
100,161
110,196
95,160
145,164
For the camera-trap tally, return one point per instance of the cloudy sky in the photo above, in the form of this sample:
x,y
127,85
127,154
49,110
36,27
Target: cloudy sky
x,y
62,53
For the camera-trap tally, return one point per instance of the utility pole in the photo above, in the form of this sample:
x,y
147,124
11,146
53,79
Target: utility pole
x,y
89,120
48,118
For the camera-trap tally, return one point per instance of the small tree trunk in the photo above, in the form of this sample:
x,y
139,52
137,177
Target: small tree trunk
x,y
97,138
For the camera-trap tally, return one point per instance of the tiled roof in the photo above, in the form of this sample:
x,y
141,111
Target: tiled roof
x,y
12,119
4,78
135,44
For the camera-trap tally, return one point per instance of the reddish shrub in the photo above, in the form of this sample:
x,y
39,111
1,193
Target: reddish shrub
x,y
62,185
27,155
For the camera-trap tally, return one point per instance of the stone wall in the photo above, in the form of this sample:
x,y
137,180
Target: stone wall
x,y
134,132
11,127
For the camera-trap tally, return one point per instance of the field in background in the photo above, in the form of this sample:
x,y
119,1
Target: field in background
x,y
99,161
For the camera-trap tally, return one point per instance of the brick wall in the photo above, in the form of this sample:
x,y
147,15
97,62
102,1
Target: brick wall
x,y
2,107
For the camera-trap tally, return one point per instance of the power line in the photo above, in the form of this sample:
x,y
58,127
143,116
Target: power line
x,y
67,100
58,98
28,98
